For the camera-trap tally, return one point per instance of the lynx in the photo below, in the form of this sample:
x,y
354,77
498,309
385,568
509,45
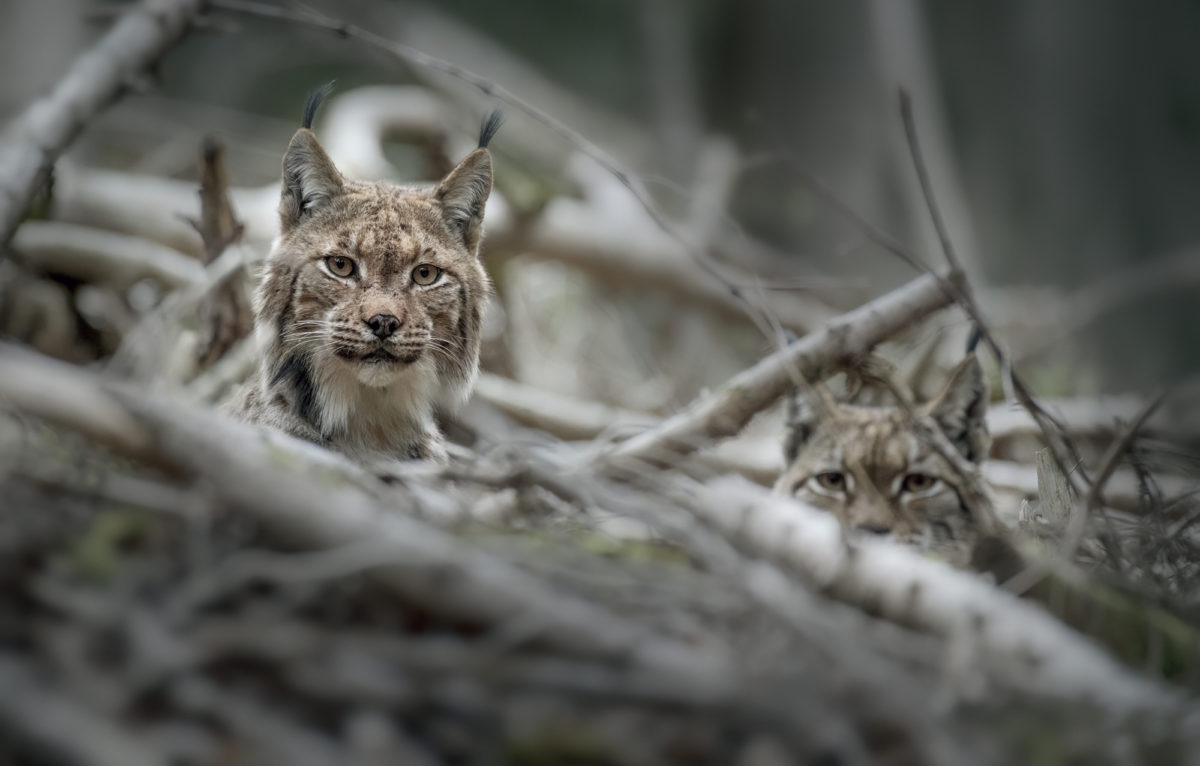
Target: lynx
x,y
877,471
369,310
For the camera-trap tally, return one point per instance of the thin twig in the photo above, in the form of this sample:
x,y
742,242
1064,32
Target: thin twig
x,y
1108,465
1112,457
1077,524
918,159
1053,431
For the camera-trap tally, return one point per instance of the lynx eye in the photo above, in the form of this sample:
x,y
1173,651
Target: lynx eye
x,y
918,482
831,481
426,274
339,265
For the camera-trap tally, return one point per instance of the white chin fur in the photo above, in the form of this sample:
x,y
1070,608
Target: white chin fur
x,y
375,404
376,375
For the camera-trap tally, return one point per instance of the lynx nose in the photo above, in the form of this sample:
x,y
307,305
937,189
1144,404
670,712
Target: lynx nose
x,y
383,325
874,529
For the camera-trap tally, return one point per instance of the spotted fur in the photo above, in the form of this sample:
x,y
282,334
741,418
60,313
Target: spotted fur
x,y
358,344
877,471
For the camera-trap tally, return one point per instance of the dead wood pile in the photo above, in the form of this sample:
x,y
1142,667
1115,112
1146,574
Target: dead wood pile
x,y
582,583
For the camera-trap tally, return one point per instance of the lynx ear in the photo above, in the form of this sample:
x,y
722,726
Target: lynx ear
x,y
462,195
801,423
960,410
310,179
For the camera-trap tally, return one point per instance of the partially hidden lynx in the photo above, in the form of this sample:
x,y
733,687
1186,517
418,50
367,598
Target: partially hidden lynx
x,y
877,471
369,310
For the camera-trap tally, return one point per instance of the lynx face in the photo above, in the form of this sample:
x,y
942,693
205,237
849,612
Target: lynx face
x,y
370,306
378,290
875,469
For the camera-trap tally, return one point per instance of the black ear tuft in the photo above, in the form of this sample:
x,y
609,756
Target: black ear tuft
x,y
313,103
974,338
801,422
491,124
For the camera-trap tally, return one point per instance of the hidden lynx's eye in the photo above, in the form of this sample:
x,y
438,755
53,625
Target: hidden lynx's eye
x,y
339,265
426,274
831,481
918,482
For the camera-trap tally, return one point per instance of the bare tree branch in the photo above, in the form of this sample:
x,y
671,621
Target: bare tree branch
x,y
725,411
274,479
101,257
133,45
563,416
883,577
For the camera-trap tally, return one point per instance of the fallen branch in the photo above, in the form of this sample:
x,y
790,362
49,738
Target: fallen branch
x,y
566,417
725,411
49,125
891,580
102,257
155,208
570,418
281,484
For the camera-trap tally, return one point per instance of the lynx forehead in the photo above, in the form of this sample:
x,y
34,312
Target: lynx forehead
x,y
879,472
370,307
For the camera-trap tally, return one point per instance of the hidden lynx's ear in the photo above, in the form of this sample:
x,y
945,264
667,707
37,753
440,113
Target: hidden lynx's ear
x,y
801,423
960,410
310,179
465,190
